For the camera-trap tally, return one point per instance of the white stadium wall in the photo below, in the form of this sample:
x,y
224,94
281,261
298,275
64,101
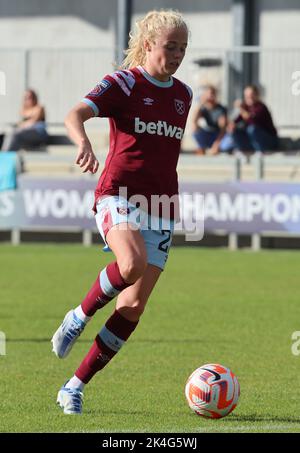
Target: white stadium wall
x,y
61,48
279,22
279,25
72,44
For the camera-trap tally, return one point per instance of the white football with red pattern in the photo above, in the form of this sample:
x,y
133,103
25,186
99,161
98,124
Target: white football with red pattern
x,y
212,391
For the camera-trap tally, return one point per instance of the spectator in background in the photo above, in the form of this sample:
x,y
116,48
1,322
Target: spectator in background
x,y
209,122
253,128
31,131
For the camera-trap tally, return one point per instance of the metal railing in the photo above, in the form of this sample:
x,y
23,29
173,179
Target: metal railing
x,y
271,69
62,76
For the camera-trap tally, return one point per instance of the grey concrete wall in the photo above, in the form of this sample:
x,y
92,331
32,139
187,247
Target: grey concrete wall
x,y
57,23
91,23
209,20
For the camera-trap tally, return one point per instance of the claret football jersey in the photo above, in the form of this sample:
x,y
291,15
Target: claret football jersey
x,y
147,120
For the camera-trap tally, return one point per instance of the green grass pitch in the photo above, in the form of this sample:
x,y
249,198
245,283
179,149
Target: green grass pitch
x,y
235,308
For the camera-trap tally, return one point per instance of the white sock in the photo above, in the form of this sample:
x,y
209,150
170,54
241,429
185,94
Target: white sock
x,y
81,315
75,383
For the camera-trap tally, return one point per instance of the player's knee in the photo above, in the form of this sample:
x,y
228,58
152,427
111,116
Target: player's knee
x,y
132,310
132,268
138,309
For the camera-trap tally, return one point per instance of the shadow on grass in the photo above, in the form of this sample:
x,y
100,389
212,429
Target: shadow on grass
x,y
119,413
261,418
150,340
29,340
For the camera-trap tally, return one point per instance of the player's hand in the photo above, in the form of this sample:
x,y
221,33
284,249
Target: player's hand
x,y
86,158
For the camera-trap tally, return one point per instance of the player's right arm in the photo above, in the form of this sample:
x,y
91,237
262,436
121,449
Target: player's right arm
x,y
106,100
74,122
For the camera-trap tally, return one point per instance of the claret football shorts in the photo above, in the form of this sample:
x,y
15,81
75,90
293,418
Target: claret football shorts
x,y
157,232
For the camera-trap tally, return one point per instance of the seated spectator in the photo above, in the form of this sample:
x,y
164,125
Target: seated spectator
x,y
31,131
253,128
209,123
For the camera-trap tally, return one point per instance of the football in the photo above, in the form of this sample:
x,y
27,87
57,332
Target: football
x,y
212,391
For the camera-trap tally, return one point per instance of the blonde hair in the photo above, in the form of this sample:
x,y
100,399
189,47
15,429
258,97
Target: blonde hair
x,y
148,28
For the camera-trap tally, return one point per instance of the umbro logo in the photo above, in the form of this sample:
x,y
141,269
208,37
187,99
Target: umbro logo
x,y
103,357
148,101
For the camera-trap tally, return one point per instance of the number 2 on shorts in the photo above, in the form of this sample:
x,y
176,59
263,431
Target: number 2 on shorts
x,y
165,244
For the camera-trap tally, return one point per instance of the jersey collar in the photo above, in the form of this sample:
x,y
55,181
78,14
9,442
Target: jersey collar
x,y
156,82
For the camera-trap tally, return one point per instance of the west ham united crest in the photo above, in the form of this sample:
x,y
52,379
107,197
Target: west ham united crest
x,y
179,105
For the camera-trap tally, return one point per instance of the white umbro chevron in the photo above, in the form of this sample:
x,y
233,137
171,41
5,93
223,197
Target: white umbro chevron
x,y
125,80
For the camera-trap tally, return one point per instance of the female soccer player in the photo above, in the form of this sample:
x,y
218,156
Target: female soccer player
x,y
147,109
